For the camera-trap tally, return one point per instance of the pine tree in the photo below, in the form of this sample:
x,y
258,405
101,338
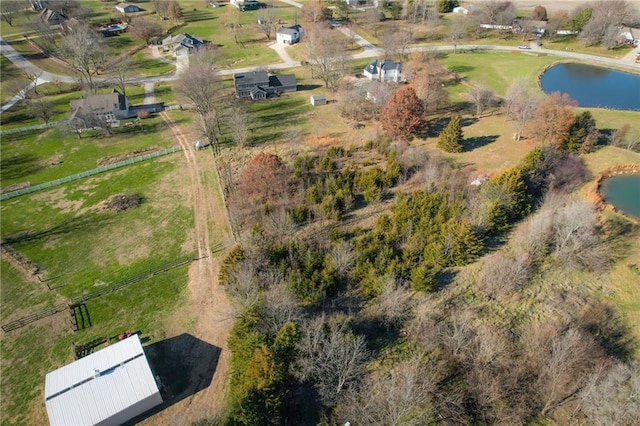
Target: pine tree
x,y
451,138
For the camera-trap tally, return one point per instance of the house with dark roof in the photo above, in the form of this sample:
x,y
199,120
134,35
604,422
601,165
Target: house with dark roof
x,y
127,8
288,35
385,70
258,85
52,17
109,107
181,44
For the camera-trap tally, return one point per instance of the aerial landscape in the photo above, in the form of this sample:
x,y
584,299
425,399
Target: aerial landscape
x,y
338,212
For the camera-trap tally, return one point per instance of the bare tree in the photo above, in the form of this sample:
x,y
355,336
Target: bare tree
x,y
482,96
267,21
342,258
606,17
458,31
330,356
393,303
145,29
613,398
501,274
280,225
85,52
47,35
40,108
521,104
325,52
238,122
243,285
280,306
402,396
9,8
120,74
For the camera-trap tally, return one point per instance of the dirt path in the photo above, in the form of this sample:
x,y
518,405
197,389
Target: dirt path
x,y
207,315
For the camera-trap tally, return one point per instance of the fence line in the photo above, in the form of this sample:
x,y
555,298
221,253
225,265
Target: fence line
x,y
34,317
101,169
28,128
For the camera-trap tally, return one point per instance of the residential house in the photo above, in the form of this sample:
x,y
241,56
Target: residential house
x,y
260,85
385,70
38,4
288,35
630,36
52,17
181,44
529,26
108,108
127,8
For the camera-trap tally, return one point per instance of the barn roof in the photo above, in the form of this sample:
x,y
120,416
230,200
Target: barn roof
x,y
98,387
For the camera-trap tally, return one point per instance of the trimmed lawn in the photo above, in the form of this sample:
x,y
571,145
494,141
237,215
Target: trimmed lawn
x,y
44,155
10,74
39,59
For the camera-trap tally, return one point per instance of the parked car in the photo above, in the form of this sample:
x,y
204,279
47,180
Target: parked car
x,y
525,47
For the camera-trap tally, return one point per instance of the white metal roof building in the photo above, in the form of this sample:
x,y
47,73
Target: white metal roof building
x,y
107,387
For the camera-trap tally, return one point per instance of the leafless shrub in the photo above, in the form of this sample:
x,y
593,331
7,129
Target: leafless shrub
x,y
280,307
532,238
279,225
502,275
393,304
342,258
243,285
122,202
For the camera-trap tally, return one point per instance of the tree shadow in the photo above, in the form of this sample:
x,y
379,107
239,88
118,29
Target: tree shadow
x,y
468,121
305,87
198,16
87,222
18,166
444,279
437,125
184,364
478,141
461,68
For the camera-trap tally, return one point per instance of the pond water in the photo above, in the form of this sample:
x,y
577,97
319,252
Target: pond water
x,y
623,192
593,86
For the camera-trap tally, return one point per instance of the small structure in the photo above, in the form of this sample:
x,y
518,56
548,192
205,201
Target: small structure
x,y
386,70
318,100
289,35
245,4
260,85
127,8
107,387
470,9
52,17
181,44
629,35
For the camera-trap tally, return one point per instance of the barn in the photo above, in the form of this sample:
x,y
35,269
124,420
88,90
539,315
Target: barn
x,y
107,387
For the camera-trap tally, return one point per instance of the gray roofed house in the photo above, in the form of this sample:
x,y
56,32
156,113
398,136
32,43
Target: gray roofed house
x,y
385,70
52,17
260,85
288,35
181,44
127,8
109,107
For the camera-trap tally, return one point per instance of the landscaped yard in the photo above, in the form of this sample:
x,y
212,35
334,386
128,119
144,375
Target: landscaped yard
x,y
10,76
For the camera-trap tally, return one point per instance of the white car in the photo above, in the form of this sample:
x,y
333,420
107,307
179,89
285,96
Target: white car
x,y
522,46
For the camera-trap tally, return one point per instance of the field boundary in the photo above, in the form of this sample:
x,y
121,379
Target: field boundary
x,y
77,176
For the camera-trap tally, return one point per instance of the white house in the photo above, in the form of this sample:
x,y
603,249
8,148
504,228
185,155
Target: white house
x,y
107,387
470,9
386,70
127,8
288,35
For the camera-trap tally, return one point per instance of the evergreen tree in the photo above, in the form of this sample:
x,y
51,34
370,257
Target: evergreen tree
x,y
583,134
451,138
446,6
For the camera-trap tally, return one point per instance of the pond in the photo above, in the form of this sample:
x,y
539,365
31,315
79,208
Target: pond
x,y
623,192
593,86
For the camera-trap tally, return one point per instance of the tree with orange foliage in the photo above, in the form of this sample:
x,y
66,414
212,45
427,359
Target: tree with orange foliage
x,y
553,119
403,113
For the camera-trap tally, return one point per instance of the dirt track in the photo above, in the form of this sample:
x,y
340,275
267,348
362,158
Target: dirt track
x,y
208,313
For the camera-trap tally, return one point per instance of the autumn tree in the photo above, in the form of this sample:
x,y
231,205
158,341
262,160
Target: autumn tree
x,y
403,114
553,119
451,138
539,13
325,53
85,51
144,29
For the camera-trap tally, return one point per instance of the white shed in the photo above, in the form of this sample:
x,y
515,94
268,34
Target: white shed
x,y
108,387
318,100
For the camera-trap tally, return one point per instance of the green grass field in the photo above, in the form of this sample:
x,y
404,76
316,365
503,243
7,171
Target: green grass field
x,y
10,74
81,248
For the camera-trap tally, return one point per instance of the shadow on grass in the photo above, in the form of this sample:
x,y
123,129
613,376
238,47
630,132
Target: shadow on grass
x,y
458,69
85,222
478,141
305,87
19,166
185,366
444,279
198,16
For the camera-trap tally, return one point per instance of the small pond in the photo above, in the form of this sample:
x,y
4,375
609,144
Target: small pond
x,y
593,86
623,192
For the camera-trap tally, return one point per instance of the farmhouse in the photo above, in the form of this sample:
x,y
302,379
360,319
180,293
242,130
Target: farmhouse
x,y
109,107
470,9
107,387
181,44
52,17
260,85
245,4
127,8
288,35
629,35
386,70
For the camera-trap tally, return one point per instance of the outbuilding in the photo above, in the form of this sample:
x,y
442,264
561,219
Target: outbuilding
x,y
107,387
127,8
318,100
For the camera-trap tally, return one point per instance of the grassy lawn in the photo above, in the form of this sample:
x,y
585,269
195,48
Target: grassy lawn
x,y
10,74
18,116
44,155
40,60
144,65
